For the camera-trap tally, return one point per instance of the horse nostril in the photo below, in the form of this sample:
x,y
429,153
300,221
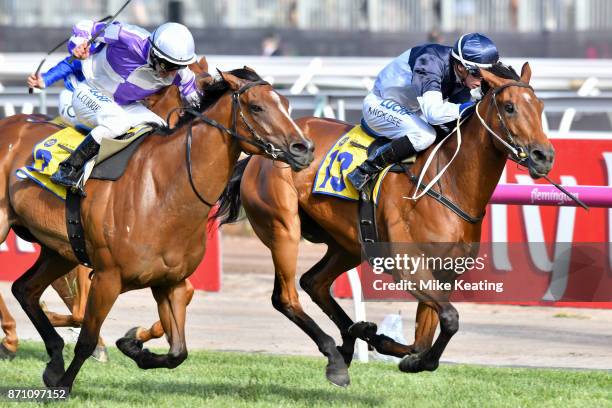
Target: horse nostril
x,y
538,156
298,148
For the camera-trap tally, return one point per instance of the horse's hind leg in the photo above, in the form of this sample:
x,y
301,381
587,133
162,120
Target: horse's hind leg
x,y
172,305
157,330
8,346
28,289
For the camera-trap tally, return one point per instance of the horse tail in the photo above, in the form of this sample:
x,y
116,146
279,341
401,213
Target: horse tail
x,y
229,204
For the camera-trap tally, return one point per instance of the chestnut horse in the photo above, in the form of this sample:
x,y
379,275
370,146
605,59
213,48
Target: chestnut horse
x,y
74,287
281,207
147,229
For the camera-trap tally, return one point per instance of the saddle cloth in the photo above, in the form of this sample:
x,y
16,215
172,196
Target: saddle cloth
x,y
49,153
345,155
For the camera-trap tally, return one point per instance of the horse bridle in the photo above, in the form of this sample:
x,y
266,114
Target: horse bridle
x,y
518,153
268,148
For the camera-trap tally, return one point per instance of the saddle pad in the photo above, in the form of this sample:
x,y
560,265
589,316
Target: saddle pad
x,y
49,153
347,153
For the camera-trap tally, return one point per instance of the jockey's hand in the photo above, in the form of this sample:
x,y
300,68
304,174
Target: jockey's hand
x,y
193,100
36,81
465,108
81,51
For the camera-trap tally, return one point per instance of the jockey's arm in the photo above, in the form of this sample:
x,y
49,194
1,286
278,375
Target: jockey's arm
x,y
84,30
427,77
61,71
186,82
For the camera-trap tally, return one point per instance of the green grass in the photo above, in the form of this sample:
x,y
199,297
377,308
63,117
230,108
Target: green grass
x,y
241,380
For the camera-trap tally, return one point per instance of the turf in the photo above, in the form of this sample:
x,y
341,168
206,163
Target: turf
x,y
244,380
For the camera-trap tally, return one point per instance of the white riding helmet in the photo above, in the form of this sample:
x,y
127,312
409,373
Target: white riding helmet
x,y
173,42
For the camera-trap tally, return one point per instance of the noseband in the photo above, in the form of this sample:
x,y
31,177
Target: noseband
x,y
268,148
518,154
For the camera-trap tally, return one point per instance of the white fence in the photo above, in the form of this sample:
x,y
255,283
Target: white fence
x,y
334,86
349,15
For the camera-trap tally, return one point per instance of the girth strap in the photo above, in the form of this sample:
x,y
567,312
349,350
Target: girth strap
x,y
443,200
74,225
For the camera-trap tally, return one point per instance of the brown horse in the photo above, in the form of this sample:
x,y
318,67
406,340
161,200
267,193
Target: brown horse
x,y
280,207
147,229
73,288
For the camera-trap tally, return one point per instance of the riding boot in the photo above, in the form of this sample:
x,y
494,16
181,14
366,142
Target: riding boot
x,y
69,171
394,152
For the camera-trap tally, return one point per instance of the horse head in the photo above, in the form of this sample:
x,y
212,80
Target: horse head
x,y
261,122
514,118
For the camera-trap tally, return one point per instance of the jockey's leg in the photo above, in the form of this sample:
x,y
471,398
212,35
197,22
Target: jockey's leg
x,y
107,120
138,114
66,110
387,118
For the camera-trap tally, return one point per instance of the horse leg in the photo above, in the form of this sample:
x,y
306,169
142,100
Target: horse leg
x,y
105,288
157,330
8,346
73,289
172,307
429,360
425,327
317,282
285,299
27,290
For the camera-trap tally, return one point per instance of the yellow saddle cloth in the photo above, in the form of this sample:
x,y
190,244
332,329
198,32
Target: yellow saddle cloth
x,y
49,153
349,152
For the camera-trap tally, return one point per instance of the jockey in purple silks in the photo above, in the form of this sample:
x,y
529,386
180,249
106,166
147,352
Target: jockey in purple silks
x,y
124,65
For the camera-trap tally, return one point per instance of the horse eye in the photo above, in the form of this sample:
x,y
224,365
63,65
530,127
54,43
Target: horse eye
x,y
509,107
255,108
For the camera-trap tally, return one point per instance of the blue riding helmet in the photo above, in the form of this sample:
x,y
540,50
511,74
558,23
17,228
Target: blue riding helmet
x,y
474,51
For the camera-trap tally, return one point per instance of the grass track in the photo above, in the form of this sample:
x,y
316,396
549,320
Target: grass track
x,y
245,380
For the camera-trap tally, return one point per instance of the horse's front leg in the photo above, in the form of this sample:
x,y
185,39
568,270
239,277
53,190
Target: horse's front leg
x,y
105,288
8,346
172,305
429,359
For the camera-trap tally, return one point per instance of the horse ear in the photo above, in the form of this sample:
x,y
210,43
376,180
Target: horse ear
x,y
202,65
233,81
203,80
525,73
493,80
249,68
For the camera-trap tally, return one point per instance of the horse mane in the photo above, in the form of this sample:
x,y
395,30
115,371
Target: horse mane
x,y
503,71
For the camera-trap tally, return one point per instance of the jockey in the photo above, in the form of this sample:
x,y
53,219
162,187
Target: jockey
x,y
427,85
124,65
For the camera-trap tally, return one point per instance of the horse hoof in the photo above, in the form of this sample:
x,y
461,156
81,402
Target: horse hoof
x,y
129,346
414,363
100,354
363,330
51,377
132,333
5,353
338,376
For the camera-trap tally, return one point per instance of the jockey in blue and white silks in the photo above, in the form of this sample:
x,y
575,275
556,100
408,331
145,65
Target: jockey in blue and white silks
x,y
124,65
427,85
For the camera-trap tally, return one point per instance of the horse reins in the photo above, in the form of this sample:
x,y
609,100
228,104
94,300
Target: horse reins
x,y
518,154
257,141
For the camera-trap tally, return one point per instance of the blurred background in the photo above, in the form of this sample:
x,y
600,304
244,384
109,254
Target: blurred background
x,y
324,54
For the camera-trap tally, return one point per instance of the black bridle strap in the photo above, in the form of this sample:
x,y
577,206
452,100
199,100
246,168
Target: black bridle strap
x,y
500,117
258,141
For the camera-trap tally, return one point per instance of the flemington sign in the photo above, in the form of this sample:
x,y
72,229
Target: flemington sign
x,y
551,253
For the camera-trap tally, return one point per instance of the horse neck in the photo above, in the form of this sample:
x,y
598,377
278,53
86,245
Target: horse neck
x,y
213,155
475,172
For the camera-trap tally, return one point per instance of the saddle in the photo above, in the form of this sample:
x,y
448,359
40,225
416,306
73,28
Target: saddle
x,y
109,164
